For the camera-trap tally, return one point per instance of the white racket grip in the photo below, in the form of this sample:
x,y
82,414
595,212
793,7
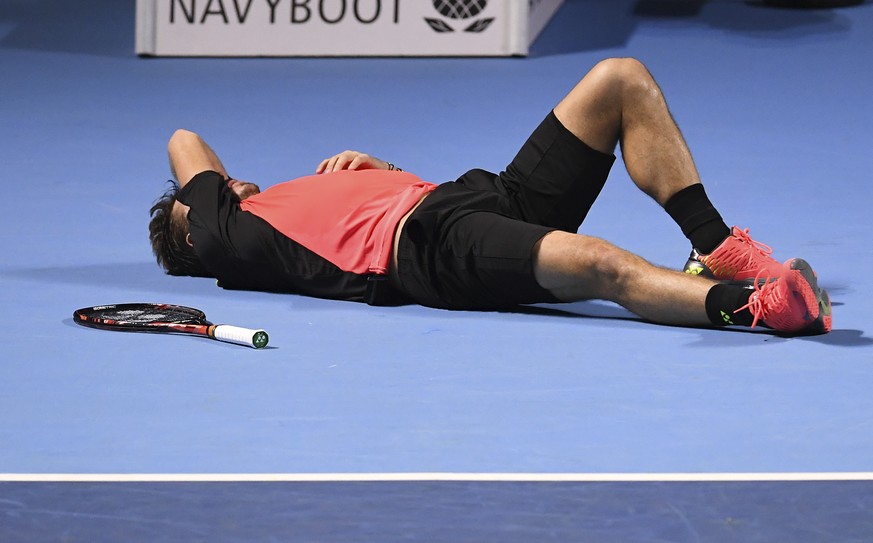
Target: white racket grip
x,y
242,336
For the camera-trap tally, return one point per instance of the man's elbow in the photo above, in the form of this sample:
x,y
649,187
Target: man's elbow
x,y
180,139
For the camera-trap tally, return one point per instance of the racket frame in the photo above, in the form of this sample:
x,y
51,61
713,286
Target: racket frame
x,y
195,325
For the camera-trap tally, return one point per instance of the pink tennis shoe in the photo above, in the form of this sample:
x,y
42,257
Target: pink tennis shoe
x,y
737,258
793,303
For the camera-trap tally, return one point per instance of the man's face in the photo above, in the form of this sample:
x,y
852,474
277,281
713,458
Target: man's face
x,y
241,189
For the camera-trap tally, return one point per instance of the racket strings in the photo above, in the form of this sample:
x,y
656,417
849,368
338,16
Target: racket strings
x,y
137,316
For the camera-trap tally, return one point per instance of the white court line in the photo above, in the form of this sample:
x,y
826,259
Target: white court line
x,y
448,477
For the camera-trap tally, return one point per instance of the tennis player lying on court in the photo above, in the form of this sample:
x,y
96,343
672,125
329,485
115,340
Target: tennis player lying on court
x,y
361,229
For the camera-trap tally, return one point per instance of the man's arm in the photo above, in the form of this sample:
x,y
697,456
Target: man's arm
x,y
353,160
189,155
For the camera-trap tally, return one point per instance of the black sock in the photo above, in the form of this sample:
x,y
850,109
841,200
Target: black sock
x,y
698,218
721,302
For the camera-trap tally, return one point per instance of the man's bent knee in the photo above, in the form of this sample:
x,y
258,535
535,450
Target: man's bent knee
x,y
628,77
622,69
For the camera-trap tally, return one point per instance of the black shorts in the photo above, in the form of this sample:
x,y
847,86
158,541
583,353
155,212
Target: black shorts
x,y
470,244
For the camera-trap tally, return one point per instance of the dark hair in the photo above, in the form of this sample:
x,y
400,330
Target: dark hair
x,y
168,238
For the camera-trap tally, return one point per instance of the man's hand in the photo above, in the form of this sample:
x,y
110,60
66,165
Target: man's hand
x,y
351,160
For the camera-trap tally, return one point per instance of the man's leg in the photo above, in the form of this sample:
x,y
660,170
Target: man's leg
x,y
575,267
618,102
559,171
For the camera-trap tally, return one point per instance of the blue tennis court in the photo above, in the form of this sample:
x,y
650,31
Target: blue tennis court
x,y
358,423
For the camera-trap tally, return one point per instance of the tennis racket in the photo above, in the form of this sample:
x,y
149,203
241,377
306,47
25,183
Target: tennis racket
x,y
166,319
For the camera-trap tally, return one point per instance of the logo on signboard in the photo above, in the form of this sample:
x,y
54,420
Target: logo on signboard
x,y
461,11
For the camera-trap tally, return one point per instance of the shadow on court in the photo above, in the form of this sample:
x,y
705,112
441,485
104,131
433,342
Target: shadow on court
x,y
145,276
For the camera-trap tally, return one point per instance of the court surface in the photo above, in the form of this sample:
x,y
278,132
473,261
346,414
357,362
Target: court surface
x,y
570,422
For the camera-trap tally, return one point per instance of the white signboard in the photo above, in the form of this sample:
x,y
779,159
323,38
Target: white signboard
x,y
239,28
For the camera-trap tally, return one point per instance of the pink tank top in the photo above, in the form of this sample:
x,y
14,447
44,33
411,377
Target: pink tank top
x,y
346,217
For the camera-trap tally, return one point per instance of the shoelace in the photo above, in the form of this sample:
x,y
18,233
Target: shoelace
x,y
756,300
733,261
754,246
